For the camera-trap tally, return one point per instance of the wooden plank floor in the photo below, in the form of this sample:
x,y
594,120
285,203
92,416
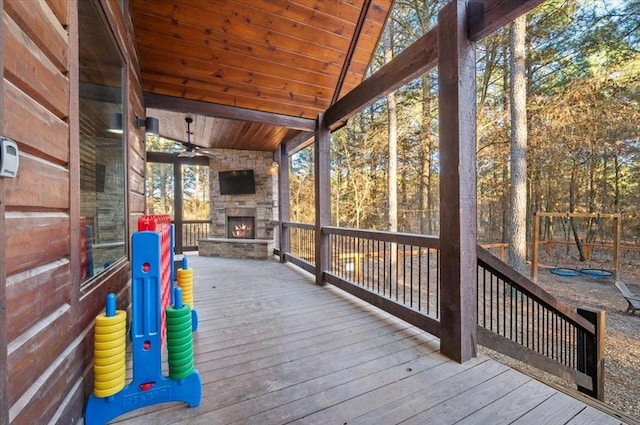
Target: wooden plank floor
x,y
273,348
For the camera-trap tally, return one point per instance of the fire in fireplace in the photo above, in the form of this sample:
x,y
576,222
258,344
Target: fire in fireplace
x,y
241,227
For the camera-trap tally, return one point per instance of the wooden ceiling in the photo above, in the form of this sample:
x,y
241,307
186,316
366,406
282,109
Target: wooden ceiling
x,y
252,73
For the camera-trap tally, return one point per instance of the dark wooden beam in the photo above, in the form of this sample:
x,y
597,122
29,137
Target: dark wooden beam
x,y
299,142
186,106
414,61
486,16
352,49
457,128
322,171
283,201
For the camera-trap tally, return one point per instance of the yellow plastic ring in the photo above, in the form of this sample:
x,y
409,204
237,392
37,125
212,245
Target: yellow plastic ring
x,y
108,329
110,352
102,319
100,360
109,392
110,376
110,336
99,370
108,345
106,385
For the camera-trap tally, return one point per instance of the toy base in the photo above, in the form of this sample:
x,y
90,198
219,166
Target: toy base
x,y
101,410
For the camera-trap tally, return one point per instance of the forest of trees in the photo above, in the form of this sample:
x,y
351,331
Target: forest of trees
x,y
582,85
160,185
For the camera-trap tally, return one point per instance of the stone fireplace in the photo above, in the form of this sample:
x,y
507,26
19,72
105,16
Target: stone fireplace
x,y
242,224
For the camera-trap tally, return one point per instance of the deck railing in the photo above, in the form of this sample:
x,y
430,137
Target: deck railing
x,y
398,267
400,274
519,319
192,230
302,241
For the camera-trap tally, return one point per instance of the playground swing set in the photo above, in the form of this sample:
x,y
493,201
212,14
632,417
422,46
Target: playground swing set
x,y
161,313
598,273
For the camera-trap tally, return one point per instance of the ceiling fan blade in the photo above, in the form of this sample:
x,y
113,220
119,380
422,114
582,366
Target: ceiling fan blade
x,y
206,152
187,154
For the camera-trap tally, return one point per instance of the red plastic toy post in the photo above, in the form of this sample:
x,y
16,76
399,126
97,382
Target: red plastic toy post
x,y
162,225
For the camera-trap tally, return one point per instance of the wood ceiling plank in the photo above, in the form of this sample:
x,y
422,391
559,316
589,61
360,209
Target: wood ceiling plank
x,y
228,77
263,61
201,90
214,59
222,20
242,93
219,45
307,11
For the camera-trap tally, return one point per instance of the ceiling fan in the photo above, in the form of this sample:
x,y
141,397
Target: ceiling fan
x,y
192,150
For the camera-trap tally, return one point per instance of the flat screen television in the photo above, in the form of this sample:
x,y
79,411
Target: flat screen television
x,y
239,182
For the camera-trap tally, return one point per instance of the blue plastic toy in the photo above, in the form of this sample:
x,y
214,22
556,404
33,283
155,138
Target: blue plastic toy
x,y
149,386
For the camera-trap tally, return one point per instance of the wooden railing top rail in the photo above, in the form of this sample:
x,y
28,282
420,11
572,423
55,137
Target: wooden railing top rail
x,y
292,224
383,236
502,270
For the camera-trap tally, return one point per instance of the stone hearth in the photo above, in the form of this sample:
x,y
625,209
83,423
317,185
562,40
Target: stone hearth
x,y
257,249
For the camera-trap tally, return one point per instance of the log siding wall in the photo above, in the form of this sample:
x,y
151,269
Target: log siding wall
x,y
48,321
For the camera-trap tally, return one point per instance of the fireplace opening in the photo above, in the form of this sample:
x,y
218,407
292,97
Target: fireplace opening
x,y
241,227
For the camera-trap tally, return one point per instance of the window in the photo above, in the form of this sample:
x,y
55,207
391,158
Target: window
x,y
102,144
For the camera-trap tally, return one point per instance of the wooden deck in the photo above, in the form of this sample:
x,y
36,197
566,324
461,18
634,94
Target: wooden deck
x,y
273,348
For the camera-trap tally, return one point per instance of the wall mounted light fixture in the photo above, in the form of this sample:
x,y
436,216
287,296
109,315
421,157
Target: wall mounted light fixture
x,y
151,124
115,123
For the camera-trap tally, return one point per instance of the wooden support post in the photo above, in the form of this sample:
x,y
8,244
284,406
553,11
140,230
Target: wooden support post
x,y
616,244
535,246
178,202
284,210
457,103
322,170
591,352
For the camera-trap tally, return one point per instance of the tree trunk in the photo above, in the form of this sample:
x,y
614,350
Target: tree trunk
x,y
518,95
425,156
572,207
392,224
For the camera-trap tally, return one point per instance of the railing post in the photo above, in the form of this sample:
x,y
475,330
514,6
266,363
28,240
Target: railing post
x,y
591,352
283,201
322,170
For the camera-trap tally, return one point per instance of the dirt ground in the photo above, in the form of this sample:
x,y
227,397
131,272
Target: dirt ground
x,y
622,362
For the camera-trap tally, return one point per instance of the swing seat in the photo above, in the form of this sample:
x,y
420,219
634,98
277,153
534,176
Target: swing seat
x,y
564,272
597,273
632,299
